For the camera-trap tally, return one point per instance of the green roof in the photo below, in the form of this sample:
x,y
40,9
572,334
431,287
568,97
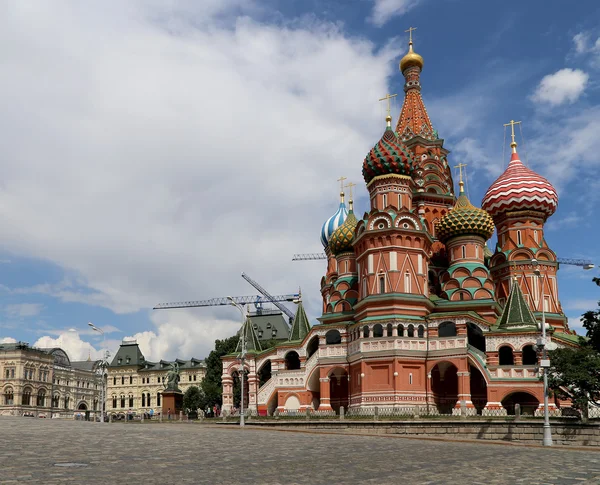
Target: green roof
x,y
516,313
270,325
248,334
300,325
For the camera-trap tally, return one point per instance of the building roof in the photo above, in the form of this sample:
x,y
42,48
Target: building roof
x,y
388,156
129,353
250,336
516,313
270,325
166,364
335,221
87,365
300,325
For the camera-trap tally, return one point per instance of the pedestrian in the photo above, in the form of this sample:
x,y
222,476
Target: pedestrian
x,y
169,414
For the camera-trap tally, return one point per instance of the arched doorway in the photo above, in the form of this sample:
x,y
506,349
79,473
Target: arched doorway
x,y
447,329
237,389
475,336
82,406
312,347
264,374
444,386
313,385
528,403
333,337
478,389
338,389
292,360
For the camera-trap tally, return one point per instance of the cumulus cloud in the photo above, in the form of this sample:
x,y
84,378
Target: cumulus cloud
x,y
384,10
566,85
7,340
153,154
72,344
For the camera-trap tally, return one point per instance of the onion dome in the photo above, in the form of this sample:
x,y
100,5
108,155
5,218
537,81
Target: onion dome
x,y
335,221
411,58
342,237
520,188
465,219
388,156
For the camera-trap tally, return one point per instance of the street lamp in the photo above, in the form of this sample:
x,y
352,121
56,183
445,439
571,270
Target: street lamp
x,y
242,355
544,362
103,365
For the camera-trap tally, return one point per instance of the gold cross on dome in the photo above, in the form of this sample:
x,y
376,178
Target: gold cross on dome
x,y
350,186
388,97
410,31
512,124
341,181
460,167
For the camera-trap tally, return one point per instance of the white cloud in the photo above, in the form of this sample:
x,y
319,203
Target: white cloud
x,y
72,344
586,46
23,309
154,155
581,42
566,85
568,220
7,340
384,10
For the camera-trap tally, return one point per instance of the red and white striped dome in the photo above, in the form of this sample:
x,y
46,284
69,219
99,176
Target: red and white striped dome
x,y
520,188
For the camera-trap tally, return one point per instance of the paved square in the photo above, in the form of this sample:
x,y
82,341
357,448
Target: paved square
x,y
34,449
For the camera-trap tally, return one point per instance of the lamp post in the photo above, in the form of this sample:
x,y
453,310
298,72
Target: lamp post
x,y
545,362
103,366
242,356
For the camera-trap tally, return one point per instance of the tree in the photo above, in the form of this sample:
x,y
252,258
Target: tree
x,y
211,384
193,399
575,374
591,322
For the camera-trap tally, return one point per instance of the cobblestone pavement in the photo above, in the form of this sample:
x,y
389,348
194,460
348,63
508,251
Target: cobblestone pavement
x,y
170,453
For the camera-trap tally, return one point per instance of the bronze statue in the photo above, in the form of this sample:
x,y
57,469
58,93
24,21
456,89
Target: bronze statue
x,y
172,377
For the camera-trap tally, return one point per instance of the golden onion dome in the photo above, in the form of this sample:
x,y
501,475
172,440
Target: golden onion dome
x,y
341,239
464,219
411,59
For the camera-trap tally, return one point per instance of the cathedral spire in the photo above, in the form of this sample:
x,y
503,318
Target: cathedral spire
x,y
413,120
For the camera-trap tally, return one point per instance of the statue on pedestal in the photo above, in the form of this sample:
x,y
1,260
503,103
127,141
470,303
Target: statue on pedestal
x,y
172,378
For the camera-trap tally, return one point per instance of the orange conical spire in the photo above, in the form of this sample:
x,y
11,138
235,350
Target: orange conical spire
x,y
413,120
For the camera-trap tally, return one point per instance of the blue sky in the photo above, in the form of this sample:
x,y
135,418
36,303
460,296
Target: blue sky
x,y
154,153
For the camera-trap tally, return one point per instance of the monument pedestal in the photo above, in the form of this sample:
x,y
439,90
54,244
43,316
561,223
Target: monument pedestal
x,y
172,403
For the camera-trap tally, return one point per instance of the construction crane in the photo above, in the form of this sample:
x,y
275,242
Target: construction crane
x,y
256,300
584,263
270,298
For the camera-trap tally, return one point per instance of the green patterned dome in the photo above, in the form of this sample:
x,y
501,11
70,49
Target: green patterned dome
x,y
465,219
388,156
342,237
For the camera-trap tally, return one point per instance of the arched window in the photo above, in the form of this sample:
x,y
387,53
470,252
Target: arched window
x,y
410,381
41,398
381,284
366,331
505,355
400,330
67,402
130,400
447,329
115,381
122,380
9,397
519,237
143,400
333,337
421,331
158,398
148,403
122,400
114,402
411,330
378,330
312,347
407,282
26,398
130,379
389,329
292,360
55,400
529,355
464,251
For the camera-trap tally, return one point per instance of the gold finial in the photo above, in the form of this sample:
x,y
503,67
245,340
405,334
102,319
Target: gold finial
x,y
388,118
461,184
410,31
341,181
513,143
350,186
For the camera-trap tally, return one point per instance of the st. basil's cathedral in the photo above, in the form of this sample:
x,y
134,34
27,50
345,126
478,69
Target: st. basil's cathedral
x,y
418,312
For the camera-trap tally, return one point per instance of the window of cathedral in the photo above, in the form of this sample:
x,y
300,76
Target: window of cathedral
x,y
381,284
519,238
529,355
464,251
9,397
421,331
547,303
384,198
378,331
447,329
366,331
333,337
410,379
505,355
400,330
389,330
411,330
535,235
407,282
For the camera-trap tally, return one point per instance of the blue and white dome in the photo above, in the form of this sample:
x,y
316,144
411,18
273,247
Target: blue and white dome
x,y
335,221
